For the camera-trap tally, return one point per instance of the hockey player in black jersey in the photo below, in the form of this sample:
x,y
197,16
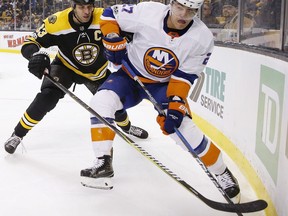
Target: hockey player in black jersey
x,y
76,33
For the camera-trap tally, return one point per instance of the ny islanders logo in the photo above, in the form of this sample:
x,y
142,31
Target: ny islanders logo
x,y
160,62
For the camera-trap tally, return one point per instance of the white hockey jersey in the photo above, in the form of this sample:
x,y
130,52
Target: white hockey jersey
x,y
156,55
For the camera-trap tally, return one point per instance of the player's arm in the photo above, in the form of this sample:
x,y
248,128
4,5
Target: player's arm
x,y
27,50
114,44
178,89
113,22
38,60
177,92
39,38
183,78
108,23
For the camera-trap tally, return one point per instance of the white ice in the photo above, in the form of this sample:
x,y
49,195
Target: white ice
x,y
44,179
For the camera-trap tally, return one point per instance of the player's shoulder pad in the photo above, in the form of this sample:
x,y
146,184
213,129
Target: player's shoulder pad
x,y
58,21
96,15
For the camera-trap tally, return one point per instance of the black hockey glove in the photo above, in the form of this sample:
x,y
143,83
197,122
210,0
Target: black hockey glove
x,y
38,62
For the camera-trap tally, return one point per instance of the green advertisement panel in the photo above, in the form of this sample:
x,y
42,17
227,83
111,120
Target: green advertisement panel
x,y
269,118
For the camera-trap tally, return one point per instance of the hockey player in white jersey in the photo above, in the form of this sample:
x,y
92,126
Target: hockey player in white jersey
x,y
170,47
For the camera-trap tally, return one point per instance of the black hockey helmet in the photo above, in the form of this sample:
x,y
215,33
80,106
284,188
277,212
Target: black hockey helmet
x,y
83,2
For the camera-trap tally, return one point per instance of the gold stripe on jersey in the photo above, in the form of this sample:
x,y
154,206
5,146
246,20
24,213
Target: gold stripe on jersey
x,y
27,122
24,125
59,24
80,46
92,76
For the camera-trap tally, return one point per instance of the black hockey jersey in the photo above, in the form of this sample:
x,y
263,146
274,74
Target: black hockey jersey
x,y
80,46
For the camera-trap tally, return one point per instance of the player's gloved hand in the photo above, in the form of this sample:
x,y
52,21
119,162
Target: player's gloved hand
x,y
115,49
38,62
175,114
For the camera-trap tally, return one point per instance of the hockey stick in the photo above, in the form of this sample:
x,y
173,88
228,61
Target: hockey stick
x,y
253,206
179,134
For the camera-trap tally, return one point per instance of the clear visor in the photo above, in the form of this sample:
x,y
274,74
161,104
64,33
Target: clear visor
x,y
183,12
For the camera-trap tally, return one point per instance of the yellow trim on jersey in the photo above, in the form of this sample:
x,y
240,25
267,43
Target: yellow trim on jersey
x,y
90,76
25,125
61,23
58,24
96,16
30,119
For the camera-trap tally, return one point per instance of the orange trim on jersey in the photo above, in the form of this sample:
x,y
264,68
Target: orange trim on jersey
x,y
109,26
143,80
178,106
188,107
102,134
178,88
211,157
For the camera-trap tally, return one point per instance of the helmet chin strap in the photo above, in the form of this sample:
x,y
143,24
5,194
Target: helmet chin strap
x,y
74,15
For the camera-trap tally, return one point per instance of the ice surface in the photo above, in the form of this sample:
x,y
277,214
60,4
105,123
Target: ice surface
x,y
44,179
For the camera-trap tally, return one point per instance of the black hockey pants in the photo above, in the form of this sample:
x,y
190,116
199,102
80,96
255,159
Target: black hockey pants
x,y
47,99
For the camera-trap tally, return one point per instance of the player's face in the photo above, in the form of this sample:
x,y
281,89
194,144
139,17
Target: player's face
x,y
181,15
84,12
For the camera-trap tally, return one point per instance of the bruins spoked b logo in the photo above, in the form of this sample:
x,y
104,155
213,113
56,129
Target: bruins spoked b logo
x,y
86,54
160,62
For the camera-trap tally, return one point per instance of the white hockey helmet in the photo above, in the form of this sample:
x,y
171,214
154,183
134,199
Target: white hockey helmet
x,y
195,4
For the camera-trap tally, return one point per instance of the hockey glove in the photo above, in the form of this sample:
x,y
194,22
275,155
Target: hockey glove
x,y
175,113
115,49
38,63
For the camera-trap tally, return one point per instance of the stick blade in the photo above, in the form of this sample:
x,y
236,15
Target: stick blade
x,y
248,207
